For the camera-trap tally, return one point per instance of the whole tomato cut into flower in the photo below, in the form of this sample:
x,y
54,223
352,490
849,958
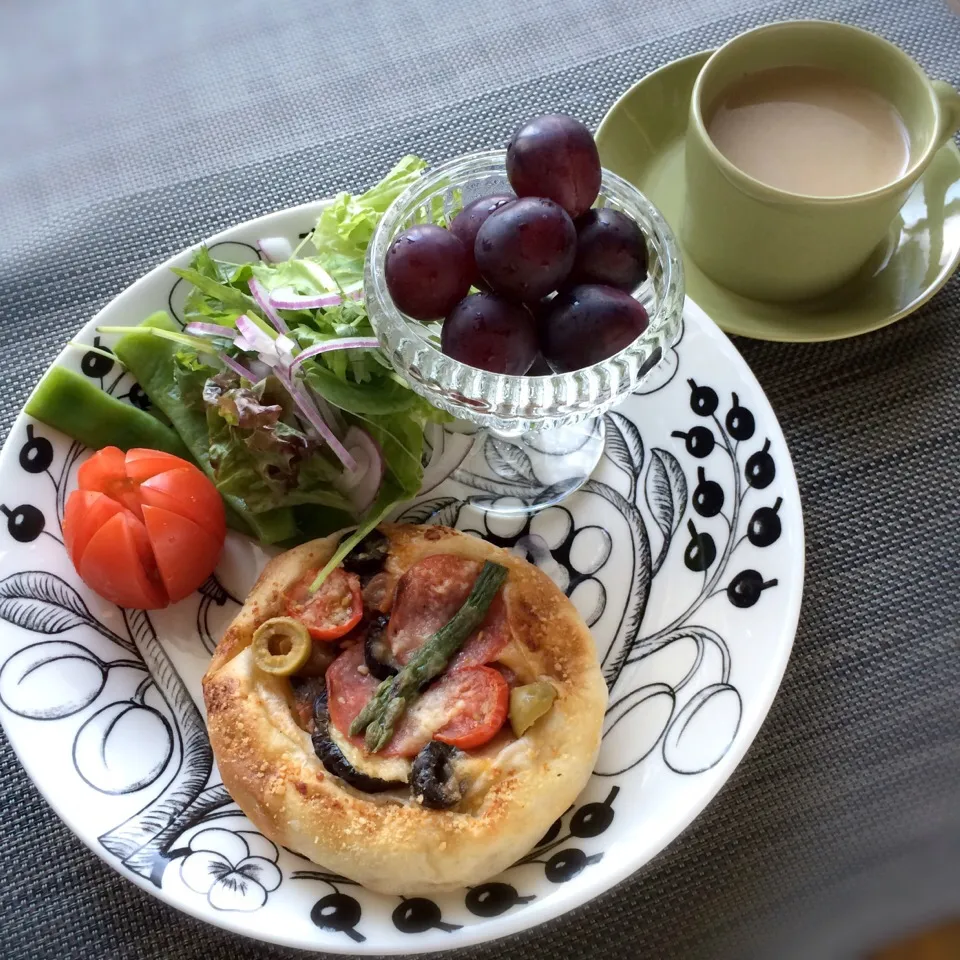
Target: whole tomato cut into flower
x,y
145,528
330,612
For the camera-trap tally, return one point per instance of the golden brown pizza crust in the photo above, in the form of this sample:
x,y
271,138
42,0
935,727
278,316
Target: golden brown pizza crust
x,y
386,841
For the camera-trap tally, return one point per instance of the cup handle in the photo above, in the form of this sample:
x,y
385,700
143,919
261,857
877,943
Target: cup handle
x,y
949,109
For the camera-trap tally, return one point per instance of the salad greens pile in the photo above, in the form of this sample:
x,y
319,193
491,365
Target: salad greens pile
x,y
277,387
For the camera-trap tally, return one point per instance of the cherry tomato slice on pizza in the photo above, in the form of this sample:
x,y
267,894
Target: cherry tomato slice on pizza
x,y
330,612
479,699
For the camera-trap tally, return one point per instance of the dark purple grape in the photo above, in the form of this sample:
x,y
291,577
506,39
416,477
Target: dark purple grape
x,y
486,331
610,250
587,324
427,271
555,156
470,219
525,249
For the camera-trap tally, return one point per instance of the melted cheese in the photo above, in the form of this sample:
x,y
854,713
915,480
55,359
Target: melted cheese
x,y
480,770
517,658
386,768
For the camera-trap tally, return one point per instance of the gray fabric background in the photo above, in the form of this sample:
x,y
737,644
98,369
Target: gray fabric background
x,y
130,129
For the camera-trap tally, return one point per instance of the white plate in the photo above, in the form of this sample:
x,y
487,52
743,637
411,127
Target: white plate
x,y
103,706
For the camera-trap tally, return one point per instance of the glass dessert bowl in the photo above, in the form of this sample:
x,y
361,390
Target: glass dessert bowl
x,y
554,421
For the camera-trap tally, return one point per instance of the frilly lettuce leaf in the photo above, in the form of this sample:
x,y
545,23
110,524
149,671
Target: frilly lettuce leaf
x,y
341,237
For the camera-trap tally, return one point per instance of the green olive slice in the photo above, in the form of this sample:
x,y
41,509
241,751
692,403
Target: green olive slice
x,y
281,646
529,703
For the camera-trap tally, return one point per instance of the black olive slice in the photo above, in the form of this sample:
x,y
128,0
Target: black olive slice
x,y
433,779
331,756
368,556
376,652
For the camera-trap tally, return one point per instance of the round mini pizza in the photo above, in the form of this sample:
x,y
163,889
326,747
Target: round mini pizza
x,y
415,723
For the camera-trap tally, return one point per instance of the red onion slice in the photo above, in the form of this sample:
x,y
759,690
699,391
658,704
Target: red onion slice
x,y
361,484
341,343
262,300
287,299
252,334
238,368
330,413
209,330
309,410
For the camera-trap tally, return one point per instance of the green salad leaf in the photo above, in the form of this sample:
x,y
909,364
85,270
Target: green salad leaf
x,y
343,234
271,466
219,291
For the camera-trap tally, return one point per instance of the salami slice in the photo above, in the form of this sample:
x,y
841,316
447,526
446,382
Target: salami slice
x,y
428,595
349,686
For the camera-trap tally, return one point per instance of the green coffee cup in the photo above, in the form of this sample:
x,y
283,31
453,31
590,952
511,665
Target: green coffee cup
x,y
770,244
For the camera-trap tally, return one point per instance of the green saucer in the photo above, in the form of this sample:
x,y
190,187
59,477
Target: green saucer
x,y
641,138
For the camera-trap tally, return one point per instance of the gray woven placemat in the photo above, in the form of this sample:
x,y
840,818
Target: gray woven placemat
x,y
125,136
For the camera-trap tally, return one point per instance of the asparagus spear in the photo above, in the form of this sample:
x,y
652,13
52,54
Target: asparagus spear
x,y
395,694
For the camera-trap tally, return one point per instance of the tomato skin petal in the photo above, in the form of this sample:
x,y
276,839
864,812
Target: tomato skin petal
x,y
105,472
85,513
185,553
487,690
141,464
106,464
185,490
111,565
